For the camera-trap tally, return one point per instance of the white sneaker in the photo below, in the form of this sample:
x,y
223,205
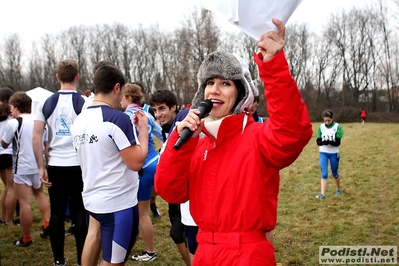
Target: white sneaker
x,y
145,256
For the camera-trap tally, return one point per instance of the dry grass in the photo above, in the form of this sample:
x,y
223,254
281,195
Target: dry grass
x,y
365,214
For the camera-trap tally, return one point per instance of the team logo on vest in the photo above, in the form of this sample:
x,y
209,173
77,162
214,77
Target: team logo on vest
x,y
63,126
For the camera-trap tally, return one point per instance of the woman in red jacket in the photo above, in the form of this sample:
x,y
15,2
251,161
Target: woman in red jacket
x,y
230,172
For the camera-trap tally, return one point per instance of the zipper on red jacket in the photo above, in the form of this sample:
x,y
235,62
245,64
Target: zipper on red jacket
x,y
206,151
213,237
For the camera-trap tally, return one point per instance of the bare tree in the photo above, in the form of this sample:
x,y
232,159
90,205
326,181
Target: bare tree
x,y
143,65
203,34
74,43
351,33
327,69
13,60
48,45
298,52
111,45
243,45
198,37
386,64
95,49
123,37
163,43
35,68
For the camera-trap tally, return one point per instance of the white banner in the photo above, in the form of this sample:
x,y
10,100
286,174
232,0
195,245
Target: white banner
x,y
254,17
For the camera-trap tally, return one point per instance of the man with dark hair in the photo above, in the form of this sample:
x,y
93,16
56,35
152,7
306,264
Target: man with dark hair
x,y
105,136
92,248
164,103
63,176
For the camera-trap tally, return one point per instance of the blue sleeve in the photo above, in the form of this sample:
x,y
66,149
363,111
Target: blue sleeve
x,y
121,120
129,113
156,129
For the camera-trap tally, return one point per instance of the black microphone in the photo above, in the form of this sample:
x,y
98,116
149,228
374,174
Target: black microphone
x,y
205,108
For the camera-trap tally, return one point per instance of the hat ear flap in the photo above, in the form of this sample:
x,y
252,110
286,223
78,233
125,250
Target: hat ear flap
x,y
250,89
198,97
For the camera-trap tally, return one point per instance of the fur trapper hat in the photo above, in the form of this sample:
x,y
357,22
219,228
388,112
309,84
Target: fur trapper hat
x,y
225,65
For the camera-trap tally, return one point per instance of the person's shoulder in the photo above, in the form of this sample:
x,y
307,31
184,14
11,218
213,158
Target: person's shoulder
x,y
12,125
149,115
130,111
27,117
182,114
13,122
116,117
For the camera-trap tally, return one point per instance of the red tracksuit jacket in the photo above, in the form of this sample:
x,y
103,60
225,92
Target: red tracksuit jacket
x,y
232,182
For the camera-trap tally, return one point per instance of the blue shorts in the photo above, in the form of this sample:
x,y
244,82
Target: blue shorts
x,y
119,231
147,182
191,235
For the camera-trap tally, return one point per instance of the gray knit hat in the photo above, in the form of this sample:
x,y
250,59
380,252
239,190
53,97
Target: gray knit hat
x,y
225,65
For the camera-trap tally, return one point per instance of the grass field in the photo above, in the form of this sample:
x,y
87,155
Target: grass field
x,y
367,212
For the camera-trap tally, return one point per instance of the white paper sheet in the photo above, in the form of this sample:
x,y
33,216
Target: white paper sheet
x,y
254,17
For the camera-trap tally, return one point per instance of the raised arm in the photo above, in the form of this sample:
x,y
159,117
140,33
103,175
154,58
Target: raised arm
x,y
288,129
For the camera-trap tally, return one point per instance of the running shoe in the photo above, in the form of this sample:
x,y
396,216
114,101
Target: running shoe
x,y
145,256
21,243
320,196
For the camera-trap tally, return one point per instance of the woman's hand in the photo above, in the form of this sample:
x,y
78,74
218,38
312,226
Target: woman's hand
x,y
192,121
140,120
272,42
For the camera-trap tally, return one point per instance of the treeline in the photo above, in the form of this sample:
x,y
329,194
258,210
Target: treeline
x,y
352,63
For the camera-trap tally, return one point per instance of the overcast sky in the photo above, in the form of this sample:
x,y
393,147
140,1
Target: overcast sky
x,y
33,18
